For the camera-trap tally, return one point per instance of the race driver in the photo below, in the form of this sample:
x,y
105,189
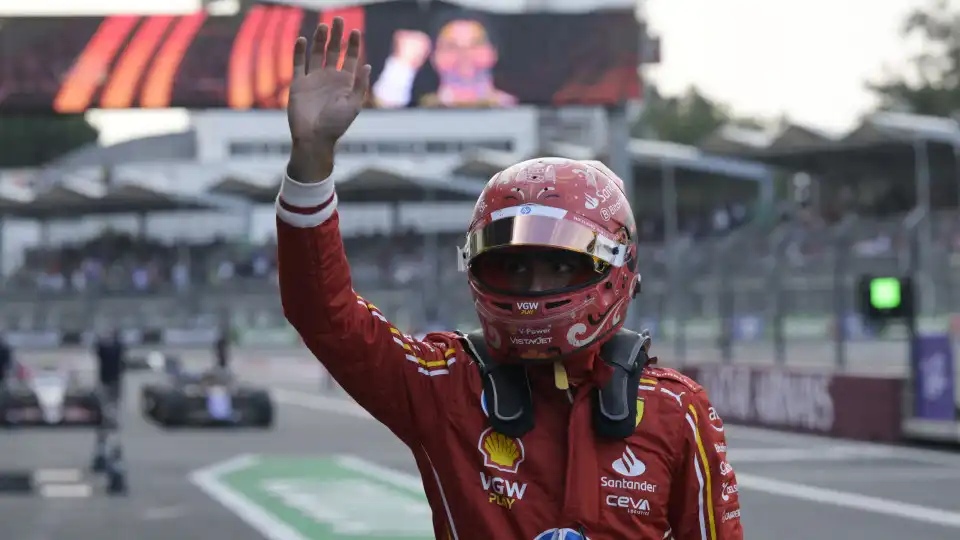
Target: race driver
x,y
520,431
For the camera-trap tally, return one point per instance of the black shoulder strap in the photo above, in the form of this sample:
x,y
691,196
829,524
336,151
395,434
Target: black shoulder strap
x,y
506,389
615,408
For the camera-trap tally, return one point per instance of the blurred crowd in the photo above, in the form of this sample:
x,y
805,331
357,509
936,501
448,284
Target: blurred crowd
x,y
122,262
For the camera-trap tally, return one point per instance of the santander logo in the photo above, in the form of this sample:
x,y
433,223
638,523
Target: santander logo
x,y
629,465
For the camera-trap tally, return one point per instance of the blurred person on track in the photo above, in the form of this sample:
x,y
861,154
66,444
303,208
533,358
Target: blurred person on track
x,y
6,359
110,352
552,422
222,347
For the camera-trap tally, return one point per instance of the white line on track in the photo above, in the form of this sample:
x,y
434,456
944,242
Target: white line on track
x,y
758,483
262,521
845,499
920,455
207,479
763,484
791,455
65,491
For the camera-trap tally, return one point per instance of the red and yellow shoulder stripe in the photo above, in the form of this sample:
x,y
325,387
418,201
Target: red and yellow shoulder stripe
x,y
415,350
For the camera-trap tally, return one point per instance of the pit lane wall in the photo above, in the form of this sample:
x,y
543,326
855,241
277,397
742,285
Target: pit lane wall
x,y
922,404
870,408
836,405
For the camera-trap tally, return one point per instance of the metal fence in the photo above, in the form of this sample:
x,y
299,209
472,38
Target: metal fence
x,y
788,295
755,295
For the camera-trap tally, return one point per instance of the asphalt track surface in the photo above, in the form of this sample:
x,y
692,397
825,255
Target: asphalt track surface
x,y
792,487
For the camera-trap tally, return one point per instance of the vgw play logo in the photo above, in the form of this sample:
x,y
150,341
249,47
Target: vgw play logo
x,y
527,308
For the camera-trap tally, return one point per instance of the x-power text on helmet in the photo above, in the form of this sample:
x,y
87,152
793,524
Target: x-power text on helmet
x,y
526,331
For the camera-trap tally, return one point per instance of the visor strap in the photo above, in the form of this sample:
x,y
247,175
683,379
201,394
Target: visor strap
x,y
462,255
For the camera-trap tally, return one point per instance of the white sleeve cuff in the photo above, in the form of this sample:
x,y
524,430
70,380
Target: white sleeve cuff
x,y
306,205
395,84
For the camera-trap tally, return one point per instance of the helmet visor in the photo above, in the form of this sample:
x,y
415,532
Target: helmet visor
x,y
544,231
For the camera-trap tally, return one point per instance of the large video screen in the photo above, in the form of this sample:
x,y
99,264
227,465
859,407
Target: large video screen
x,y
435,56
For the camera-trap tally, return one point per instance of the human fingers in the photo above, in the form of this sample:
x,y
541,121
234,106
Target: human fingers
x,y
317,48
300,57
335,43
352,58
361,83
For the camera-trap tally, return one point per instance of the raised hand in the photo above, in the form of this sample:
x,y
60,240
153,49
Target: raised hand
x,y
324,98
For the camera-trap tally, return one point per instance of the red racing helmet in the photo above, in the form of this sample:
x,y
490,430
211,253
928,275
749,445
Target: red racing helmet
x,y
541,208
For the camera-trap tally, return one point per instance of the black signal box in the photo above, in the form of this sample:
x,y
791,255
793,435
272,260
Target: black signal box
x,y
886,298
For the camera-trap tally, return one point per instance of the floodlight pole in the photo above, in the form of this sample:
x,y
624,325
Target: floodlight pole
x,y
913,332
431,277
924,232
620,162
956,168
840,266
3,226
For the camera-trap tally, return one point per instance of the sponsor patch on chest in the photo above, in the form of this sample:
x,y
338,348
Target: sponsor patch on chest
x,y
502,491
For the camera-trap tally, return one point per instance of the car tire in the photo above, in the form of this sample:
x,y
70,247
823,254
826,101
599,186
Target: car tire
x,y
265,416
171,410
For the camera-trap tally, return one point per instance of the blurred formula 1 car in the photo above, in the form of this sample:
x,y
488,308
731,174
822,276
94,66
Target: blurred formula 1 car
x,y
209,398
49,397
142,361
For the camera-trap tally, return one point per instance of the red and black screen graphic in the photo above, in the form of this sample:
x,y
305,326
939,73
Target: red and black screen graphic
x,y
71,64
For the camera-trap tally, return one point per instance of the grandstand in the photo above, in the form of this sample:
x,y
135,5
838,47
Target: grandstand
x,y
735,254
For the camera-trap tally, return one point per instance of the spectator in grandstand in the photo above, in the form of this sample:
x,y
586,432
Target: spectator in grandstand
x,y
552,339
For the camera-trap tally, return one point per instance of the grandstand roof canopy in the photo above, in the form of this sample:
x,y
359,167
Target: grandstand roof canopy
x,y
162,174
660,155
168,147
484,163
76,198
370,185
701,178
375,185
646,154
255,192
882,141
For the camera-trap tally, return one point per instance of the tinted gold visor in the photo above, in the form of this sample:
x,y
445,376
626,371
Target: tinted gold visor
x,y
542,231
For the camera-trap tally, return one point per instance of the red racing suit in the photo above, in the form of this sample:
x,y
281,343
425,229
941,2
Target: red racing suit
x,y
669,479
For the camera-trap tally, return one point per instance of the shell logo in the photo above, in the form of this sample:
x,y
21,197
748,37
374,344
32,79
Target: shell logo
x,y
500,452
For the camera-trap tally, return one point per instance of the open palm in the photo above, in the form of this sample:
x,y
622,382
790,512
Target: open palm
x,y
324,100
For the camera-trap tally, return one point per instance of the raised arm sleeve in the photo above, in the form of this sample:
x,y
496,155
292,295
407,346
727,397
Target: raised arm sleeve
x,y
395,377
